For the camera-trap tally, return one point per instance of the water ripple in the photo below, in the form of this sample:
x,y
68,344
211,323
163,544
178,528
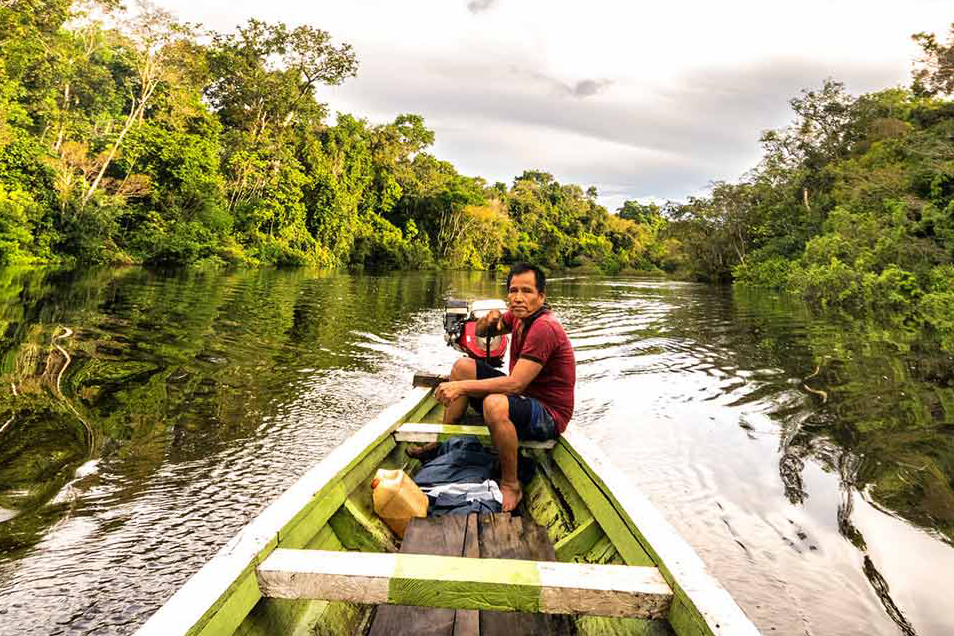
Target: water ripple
x,y
246,379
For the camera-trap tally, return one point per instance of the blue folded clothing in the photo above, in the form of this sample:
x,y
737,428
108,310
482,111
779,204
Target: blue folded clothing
x,y
459,479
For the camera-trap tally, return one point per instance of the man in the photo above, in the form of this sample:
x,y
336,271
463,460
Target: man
x,y
534,402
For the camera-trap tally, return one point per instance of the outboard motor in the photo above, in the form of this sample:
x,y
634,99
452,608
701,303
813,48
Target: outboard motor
x,y
460,330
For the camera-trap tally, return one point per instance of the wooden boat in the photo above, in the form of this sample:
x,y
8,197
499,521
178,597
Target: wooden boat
x,y
318,561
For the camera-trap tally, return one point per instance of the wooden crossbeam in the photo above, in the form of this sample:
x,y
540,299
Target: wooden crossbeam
x,y
580,541
421,432
466,583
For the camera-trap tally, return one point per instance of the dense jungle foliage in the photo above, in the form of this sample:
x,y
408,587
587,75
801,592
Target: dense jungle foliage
x,y
851,206
132,137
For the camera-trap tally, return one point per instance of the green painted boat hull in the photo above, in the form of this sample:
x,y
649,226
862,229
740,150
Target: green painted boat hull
x,y
592,514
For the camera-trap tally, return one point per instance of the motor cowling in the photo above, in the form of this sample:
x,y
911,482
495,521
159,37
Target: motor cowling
x,y
460,330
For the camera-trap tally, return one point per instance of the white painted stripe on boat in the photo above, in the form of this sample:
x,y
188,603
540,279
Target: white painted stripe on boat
x,y
356,577
603,590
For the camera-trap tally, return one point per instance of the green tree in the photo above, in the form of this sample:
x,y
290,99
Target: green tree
x,y
16,237
151,34
935,73
263,83
264,76
648,214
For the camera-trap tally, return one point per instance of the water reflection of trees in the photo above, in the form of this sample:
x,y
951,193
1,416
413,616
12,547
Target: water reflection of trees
x,y
884,423
884,427
163,367
869,402
894,419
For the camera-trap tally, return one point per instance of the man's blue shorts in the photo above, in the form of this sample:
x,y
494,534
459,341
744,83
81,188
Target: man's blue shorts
x,y
531,419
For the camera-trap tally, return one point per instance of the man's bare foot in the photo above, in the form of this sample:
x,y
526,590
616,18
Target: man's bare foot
x,y
420,452
512,494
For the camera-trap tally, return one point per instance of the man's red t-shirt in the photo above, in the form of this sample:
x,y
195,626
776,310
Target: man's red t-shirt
x,y
546,343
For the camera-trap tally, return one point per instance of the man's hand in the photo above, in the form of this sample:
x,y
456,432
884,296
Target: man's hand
x,y
491,324
447,392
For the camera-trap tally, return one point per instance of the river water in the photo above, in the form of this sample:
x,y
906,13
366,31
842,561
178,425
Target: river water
x,y
146,417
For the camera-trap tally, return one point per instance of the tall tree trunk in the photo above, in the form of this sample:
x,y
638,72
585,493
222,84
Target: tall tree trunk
x,y
136,110
130,120
63,115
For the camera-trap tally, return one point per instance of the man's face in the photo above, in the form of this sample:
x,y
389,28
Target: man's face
x,y
523,297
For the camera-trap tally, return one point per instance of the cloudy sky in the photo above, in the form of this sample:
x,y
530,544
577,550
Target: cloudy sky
x,y
642,100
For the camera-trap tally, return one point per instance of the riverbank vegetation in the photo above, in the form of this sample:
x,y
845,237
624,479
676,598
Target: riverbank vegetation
x,y
851,206
132,137
128,136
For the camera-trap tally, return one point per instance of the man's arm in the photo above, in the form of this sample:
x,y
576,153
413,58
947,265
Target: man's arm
x,y
491,324
522,375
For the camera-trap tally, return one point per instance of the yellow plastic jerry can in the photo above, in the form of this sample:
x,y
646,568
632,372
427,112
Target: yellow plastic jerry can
x,y
396,499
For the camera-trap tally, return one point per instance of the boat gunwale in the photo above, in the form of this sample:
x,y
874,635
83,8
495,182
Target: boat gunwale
x,y
197,602
710,606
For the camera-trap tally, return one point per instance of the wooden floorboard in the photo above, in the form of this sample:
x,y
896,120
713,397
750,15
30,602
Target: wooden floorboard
x,y
500,536
442,536
467,622
505,537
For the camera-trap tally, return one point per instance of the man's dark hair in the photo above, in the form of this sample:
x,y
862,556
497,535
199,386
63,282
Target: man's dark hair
x,y
522,268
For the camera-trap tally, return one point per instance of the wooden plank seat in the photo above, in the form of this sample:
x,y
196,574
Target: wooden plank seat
x,y
421,432
466,583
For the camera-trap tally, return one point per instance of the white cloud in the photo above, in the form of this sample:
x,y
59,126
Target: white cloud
x,y
639,99
476,6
